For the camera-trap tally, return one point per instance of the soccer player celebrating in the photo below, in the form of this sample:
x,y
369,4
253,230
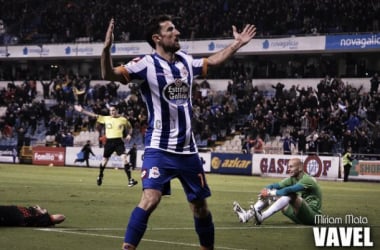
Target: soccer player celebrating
x,y
298,196
115,125
170,150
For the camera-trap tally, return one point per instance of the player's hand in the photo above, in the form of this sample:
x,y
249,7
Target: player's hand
x,y
128,137
246,35
265,192
78,108
109,35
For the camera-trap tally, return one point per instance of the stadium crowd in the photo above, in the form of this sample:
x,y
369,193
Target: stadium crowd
x,y
325,119
60,21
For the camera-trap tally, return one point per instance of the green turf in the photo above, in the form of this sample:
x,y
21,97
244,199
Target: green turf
x,y
97,216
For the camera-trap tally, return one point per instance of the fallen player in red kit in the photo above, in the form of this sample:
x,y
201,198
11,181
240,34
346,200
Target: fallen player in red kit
x,y
19,216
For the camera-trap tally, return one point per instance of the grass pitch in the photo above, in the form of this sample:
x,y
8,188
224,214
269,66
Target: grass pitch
x,y
96,217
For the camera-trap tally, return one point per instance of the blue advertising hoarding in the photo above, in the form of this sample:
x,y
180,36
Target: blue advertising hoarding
x,y
353,42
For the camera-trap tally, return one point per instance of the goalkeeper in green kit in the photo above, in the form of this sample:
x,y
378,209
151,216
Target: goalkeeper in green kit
x,y
299,197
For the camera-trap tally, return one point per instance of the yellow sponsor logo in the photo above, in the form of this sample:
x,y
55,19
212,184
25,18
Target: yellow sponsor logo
x,y
229,163
215,162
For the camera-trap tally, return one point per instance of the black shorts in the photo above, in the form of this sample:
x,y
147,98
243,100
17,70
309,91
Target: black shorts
x,y
114,145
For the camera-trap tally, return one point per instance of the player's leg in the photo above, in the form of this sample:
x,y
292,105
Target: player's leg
x,y
240,212
155,182
87,163
127,169
138,220
346,169
120,150
261,204
194,182
300,212
102,167
204,225
109,148
278,205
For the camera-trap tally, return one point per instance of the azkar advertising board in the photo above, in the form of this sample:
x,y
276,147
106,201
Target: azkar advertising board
x,y
231,163
323,167
48,156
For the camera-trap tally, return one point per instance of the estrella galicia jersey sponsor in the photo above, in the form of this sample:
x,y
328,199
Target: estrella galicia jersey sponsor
x,y
166,90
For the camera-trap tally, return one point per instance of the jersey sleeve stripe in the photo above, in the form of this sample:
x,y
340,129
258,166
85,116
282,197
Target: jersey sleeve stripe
x,y
123,71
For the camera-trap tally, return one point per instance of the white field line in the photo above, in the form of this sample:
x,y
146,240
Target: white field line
x,y
174,228
79,231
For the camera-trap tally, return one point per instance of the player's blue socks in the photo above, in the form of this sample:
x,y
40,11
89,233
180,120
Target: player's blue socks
x,y
136,226
205,230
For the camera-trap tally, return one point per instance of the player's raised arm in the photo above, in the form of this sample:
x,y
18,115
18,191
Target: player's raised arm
x,y
241,39
82,111
108,71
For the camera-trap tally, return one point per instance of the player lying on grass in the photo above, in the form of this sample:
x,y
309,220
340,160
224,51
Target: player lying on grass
x,y
299,197
19,216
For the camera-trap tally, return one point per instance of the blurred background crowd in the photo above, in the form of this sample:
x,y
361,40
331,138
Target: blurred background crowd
x,y
325,118
64,21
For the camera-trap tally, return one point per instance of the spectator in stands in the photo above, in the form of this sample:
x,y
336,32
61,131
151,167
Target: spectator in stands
x,y
258,145
46,88
279,87
374,83
112,88
347,140
20,140
79,94
71,28
325,143
301,142
14,154
287,142
353,122
312,143
305,120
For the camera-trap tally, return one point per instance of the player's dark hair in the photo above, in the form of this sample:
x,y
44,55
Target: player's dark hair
x,y
153,27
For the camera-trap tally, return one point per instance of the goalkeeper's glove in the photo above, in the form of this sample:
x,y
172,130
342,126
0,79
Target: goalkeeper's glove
x,y
266,192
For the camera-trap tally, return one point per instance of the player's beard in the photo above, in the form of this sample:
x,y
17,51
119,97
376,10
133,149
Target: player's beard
x,y
172,48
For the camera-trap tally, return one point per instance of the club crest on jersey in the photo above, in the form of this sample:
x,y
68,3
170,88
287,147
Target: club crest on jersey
x,y
154,173
177,92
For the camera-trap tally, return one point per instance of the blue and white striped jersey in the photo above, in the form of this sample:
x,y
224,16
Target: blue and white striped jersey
x,y
166,90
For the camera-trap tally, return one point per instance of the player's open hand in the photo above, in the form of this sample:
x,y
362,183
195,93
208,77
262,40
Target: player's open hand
x,y
78,108
109,35
246,35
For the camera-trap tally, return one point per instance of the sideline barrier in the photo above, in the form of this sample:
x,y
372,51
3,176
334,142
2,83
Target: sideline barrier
x,y
265,165
321,167
368,170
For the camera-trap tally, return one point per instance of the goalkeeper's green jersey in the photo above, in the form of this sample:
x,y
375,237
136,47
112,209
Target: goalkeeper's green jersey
x,y
311,191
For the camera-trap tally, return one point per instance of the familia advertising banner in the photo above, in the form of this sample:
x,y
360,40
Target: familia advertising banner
x,y
48,156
